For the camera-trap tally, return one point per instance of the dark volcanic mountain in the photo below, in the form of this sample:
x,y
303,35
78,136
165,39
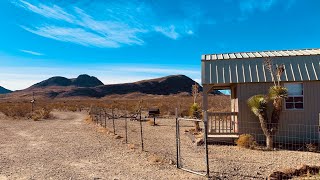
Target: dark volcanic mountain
x,y
174,84
86,86
4,90
81,81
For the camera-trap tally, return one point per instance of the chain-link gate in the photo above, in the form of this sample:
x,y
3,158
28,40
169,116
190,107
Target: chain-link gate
x,y
192,149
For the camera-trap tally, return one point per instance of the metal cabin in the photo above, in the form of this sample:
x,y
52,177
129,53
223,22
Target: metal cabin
x,y
245,75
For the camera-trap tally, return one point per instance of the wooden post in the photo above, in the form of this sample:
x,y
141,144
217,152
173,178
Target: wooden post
x,y
206,90
32,103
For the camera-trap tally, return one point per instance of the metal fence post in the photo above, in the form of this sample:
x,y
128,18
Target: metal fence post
x,y
141,132
114,128
100,116
126,126
206,140
177,138
105,119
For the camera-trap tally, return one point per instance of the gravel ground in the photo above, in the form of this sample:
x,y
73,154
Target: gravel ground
x,y
69,148
226,162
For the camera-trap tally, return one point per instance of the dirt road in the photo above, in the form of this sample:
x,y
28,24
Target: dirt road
x,y
66,147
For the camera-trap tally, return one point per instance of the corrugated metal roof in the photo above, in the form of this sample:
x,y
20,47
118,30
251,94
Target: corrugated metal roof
x,y
299,65
245,55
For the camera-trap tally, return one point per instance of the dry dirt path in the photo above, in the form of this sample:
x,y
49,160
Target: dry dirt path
x,y
68,148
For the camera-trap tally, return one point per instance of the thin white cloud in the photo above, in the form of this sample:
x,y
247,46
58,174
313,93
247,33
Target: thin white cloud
x,y
121,24
249,6
74,35
168,31
31,52
190,32
53,11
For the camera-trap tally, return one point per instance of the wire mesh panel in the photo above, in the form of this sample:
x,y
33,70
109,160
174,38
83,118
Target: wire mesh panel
x,y
251,159
192,149
160,138
176,140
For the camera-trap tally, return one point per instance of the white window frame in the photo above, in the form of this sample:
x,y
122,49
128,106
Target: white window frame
x,y
303,103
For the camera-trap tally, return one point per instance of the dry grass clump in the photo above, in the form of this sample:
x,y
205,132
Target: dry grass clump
x,y
102,130
312,147
303,172
131,146
16,110
156,159
88,119
246,141
43,113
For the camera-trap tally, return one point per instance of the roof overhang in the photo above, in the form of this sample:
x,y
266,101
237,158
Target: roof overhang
x,y
252,70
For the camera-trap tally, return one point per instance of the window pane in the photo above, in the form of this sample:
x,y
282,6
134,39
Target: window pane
x,y
289,99
289,106
294,88
299,105
298,99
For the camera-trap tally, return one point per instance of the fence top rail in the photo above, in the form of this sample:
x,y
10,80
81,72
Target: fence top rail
x,y
186,119
222,113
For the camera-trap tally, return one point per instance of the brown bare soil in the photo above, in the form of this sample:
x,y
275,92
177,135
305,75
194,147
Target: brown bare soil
x,y
69,148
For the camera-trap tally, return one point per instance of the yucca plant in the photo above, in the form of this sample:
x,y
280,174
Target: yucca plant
x,y
195,109
259,104
195,112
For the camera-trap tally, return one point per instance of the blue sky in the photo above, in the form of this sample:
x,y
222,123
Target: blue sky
x,y
123,41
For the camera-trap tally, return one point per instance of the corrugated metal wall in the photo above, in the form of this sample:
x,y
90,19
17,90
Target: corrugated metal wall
x,y
295,125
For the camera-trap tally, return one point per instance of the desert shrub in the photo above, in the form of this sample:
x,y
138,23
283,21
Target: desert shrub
x,y
39,114
88,119
246,141
71,108
13,110
311,147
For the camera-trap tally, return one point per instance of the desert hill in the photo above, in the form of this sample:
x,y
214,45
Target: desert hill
x,y
81,81
4,90
90,87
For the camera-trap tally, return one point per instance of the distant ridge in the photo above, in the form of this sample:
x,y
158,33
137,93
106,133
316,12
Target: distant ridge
x,y
83,80
90,87
4,90
167,85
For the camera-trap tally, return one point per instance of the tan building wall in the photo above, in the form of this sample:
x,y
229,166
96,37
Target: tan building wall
x,y
295,125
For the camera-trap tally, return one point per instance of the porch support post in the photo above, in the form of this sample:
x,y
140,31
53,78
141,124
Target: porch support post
x,y
205,98
206,90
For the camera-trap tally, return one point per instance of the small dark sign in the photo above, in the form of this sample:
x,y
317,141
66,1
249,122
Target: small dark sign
x,y
154,112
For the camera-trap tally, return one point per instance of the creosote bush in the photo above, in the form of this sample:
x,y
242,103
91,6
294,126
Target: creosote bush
x,y
246,141
312,147
39,114
15,110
